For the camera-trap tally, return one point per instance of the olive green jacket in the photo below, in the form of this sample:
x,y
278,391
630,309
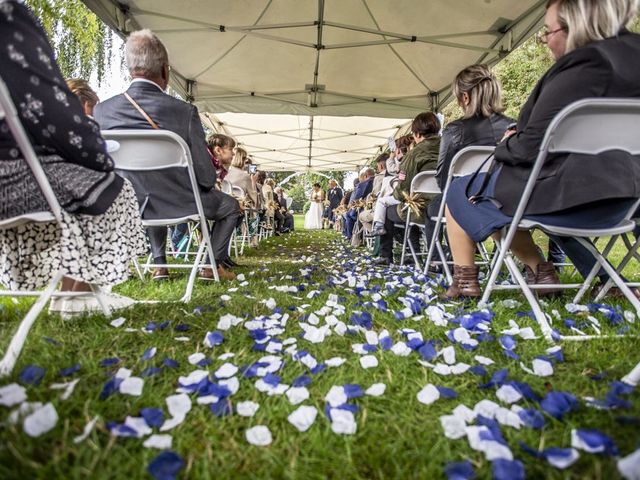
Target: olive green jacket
x,y
423,157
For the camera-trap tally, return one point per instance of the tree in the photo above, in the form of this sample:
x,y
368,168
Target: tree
x,y
81,41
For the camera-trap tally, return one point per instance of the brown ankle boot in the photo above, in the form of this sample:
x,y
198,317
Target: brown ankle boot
x,y
546,274
465,282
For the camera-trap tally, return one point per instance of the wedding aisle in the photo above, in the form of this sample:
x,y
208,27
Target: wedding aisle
x,y
314,364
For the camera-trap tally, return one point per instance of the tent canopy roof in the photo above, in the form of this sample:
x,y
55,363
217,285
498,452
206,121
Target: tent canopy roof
x,y
366,58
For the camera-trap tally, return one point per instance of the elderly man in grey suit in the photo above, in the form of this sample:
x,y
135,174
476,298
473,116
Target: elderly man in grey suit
x,y
168,194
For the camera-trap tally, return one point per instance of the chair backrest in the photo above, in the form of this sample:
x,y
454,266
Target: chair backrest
x,y
595,125
470,159
9,114
145,150
425,182
289,201
237,191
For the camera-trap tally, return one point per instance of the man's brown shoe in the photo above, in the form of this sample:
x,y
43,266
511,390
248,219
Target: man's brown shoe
x,y
160,273
545,275
614,293
223,274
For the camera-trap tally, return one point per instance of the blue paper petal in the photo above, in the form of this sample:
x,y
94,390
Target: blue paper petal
x,y
459,470
153,416
67,372
170,363
222,408
272,379
428,351
597,440
321,367
353,391
532,418
110,387
109,362
214,338
558,404
301,381
446,392
166,466
150,371
149,353
508,469
32,375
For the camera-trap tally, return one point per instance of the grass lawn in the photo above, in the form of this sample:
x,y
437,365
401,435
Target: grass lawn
x,y
397,436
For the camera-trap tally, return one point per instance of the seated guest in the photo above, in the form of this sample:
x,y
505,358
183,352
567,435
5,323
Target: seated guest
x,y
100,233
168,193
366,215
239,177
403,145
287,217
334,196
88,98
359,192
222,149
424,156
269,204
592,49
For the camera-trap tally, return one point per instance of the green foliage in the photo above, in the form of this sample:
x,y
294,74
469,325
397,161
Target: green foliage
x,y
82,43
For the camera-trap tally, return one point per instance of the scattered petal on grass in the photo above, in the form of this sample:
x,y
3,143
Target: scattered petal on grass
x,y
542,368
68,388
336,396
41,421
259,435
508,469
166,466
213,339
12,394
368,361
508,394
454,426
160,442
88,428
335,361
132,386
428,394
149,353
459,470
342,422
561,457
67,372
376,390
247,409
196,358
32,375
118,322
227,370
297,395
593,441
629,466
153,416
303,417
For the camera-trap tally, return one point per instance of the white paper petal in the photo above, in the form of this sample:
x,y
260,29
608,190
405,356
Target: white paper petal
x,y
486,408
401,349
12,394
376,390
336,396
161,442
297,395
448,354
454,427
335,361
629,466
259,435
178,405
428,394
483,360
233,384
68,388
247,409
303,417
368,361
139,425
193,378
41,421
123,373
508,394
118,322
564,462
542,368
132,386
88,428
227,370
343,422
195,358
465,413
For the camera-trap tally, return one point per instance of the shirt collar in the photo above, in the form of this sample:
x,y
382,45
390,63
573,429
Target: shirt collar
x,y
144,80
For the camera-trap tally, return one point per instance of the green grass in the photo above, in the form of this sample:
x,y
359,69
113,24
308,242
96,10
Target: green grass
x,y
397,436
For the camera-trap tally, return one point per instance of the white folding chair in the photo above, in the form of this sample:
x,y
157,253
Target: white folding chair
x,y
423,183
465,162
588,126
239,194
156,150
9,115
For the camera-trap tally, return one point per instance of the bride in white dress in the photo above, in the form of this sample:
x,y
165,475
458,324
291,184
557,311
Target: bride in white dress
x,y
313,218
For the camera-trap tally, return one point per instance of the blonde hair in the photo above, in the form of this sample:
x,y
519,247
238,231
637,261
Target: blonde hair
x,y
81,89
239,158
270,182
145,54
587,21
483,88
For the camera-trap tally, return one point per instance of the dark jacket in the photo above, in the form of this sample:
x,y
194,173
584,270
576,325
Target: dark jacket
x,y
334,196
424,156
166,193
607,68
482,131
362,189
68,143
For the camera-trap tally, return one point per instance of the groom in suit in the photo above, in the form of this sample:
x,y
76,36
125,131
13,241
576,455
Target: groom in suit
x,y
334,196
168,193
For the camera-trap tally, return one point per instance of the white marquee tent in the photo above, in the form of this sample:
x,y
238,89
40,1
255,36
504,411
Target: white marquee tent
x,y
306,63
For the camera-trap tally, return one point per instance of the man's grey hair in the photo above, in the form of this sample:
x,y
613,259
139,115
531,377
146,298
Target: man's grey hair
x,y
145,54
368,172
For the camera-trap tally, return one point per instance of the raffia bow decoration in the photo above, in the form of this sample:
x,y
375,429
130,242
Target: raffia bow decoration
x,y
273,205
416,203
358,204
341,210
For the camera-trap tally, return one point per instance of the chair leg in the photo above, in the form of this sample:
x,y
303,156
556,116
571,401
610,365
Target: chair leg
x,y
17,342
404,239
97,292
194,272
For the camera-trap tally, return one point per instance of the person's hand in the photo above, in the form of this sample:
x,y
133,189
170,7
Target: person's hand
x,y
507,134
